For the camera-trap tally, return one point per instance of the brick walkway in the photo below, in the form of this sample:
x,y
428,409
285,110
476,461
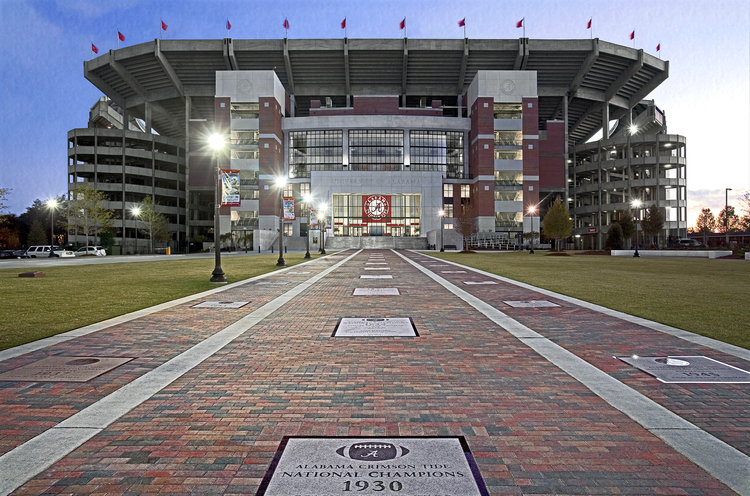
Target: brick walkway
x,y
532,428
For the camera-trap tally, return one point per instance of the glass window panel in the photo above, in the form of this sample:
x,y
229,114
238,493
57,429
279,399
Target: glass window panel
x,y
508,111
315,150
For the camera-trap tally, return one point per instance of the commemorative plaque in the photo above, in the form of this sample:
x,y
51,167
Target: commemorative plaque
x,y
298,272
377,268
688,369
376,292
272,283
453,271
531,304
64,369
376,277
376,263
221,304
375,327
479,282
389,466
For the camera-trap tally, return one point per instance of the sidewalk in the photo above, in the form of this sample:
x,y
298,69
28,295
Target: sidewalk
x,y
211,394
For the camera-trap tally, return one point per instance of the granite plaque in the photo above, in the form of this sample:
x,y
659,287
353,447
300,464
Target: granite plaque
x,y
221,304
439,265
479,282
272,283
376,263
531,304
299,272
453,271
437,466
374,327
376,277
687,369
377,268
64,369
376,292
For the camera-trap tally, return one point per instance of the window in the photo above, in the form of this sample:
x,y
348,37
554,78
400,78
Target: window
x,y
244,154
441,151
244,110
448,207
403,221
509,154
376,150
508,178
465,190
248,178
508,138
447,226
508,111
288,229
508,219
508,195
248,194
315,151
304,190
242,137
448,191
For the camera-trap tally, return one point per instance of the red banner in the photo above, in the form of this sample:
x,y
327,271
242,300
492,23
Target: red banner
x,y
376,208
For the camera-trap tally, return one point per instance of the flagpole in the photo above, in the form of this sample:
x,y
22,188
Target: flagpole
x,y
523,23
404,27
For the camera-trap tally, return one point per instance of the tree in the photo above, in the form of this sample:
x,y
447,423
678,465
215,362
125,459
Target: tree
x,y
37,234
706,224
653,221
3,197
466,222
728,220
614,239
86,211
745,223
745,202
557,223
625,219
157,225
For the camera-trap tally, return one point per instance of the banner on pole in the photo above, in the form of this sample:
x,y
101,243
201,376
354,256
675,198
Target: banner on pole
x,y
289,209
230,188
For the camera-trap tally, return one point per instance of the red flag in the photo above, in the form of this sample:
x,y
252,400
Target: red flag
x,y
658,47
343,23
94,48
519,24
229,25
163,25
120,36
286,24
632,35
462,23
588,26
402,24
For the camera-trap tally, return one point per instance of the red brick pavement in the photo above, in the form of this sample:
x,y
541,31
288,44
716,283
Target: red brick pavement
x,y
532,428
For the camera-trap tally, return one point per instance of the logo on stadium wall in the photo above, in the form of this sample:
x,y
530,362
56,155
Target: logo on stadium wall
x,y
376,208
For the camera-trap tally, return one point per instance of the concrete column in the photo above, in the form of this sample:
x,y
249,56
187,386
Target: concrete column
x,y
605,120
147,112
565,145
188,109
599,243
123,212
460,105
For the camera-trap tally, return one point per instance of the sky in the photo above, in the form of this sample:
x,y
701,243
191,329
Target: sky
x,y
43,93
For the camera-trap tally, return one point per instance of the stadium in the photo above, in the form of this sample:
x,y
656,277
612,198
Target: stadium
x,y
391,142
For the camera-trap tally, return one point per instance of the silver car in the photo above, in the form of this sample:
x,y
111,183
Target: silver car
x,y
96,251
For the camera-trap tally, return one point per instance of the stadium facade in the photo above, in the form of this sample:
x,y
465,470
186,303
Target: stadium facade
x,y
386,132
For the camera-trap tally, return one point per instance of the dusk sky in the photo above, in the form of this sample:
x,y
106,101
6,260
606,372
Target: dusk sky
x,y
43,93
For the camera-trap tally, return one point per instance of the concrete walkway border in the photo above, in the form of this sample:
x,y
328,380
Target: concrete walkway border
x,y
725,463
714,344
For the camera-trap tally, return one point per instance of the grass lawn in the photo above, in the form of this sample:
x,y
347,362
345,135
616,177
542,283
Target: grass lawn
x,y
708,297
70,297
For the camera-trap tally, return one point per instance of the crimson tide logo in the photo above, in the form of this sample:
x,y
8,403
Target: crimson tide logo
x,y
372,451
376,208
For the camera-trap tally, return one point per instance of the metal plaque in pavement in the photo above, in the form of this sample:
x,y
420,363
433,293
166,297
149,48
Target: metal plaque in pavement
x,y
425,466
453,271
64,369
471,283
531,304
377,268
375,327
221,304
376,277
376,292
272,283
686,369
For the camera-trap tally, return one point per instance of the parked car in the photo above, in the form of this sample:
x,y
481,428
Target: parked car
x,y
7,253
689,243
96,251
41,251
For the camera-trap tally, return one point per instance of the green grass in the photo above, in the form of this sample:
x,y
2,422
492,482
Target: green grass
x,y
70,297
708,297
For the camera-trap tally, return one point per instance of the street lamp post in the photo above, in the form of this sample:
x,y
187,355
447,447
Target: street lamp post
x,y
636,204
726,215
52,205
322,222
308,200
281,183
217,143
442,217
136,212
532,211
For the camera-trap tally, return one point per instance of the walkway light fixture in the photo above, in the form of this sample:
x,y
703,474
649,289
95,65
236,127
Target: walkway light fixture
x,y
135,211
442,217
322,223
532,211
636,204
726,215
217,142
308,199
281,184
52,205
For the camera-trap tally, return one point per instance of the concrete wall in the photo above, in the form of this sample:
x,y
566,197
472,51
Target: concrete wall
x,y
373,242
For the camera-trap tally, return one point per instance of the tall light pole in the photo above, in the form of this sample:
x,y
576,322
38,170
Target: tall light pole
x,y
322,222
726,215
136,212
281,183
532,211
442,217
636,204
216,142
52,205
308,201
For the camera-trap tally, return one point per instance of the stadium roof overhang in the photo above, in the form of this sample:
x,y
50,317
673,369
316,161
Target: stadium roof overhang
x,y
587,73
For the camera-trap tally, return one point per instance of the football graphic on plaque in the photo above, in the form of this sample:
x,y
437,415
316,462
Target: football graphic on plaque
x,y
372,451
376,208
